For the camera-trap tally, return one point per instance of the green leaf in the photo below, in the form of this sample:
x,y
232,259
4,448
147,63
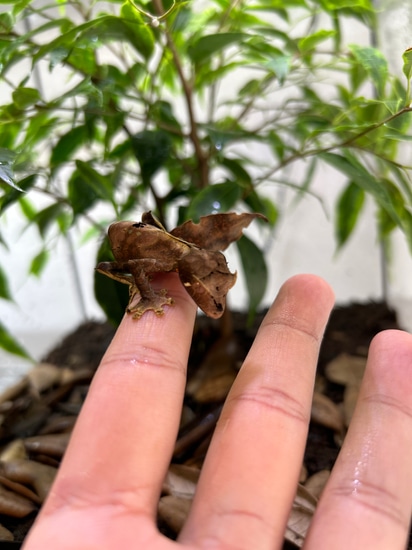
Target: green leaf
x,y
38,263
27,208
82,195
7,176
40,127
10,344
143,39
407,71
68,144
275,141
374,63
20,5
111,295
162,113
83,88
407,63
15,194
251,88
386,194
348,208
220,197
351,167
397,135
280,65
206,46
255,270
82,59
4,286
59,26
101,185
47,216
239,172
6,22
309,43
401,177
225,131
99,31
25,97
343,4
7,160
152,149
263,205
398,216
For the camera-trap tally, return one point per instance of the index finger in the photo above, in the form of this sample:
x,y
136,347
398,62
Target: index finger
x,y
125,434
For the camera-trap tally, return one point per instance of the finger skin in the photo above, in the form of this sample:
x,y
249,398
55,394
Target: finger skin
x,y
123,440
250,475
367,502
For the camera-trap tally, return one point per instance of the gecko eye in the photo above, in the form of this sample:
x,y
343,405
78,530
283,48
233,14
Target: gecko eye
x,y
139,225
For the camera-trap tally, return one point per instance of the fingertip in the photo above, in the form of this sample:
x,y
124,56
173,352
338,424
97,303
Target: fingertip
x,y
310,286
305,301
391,339
391,350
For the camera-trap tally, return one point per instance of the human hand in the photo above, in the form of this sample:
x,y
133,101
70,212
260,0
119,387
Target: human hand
x,y
106,493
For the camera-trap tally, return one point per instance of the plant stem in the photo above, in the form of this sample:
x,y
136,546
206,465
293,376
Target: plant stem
x,y
202,158
76,275
345,143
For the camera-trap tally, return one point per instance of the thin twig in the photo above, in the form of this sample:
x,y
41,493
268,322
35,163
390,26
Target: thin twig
x,y
202,158
345,143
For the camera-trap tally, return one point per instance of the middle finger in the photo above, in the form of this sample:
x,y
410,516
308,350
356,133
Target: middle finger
x,y
250,474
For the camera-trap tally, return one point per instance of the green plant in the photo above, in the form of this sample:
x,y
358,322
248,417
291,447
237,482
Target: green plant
x,y
164,103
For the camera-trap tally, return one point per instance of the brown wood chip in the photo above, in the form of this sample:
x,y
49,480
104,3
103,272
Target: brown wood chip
x,y
14,505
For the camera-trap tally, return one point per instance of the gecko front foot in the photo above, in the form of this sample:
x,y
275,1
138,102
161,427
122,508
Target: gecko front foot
x,y
155,303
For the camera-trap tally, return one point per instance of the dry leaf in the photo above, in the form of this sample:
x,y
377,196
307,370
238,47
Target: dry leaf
x,y
49,444
14,450
174,511
303,476
325,412
59,424
20,489
181,481
13,391
43,376
346,369
70,376
217,372
14,505
215,388
350,398
5,534
39,476
316,483
303,508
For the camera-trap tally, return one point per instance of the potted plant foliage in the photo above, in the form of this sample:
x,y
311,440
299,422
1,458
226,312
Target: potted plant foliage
x,y
162,104
112,108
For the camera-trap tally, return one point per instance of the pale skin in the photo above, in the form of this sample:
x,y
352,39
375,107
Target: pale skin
x,y
106,493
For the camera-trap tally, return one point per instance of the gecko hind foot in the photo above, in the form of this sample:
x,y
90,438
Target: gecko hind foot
x,y
155,303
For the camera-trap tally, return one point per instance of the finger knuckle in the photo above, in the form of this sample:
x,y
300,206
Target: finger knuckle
x,y
274,400
372,498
